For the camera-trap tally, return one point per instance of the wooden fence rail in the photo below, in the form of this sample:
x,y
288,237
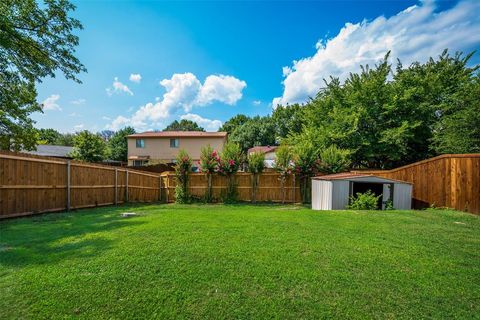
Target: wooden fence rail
x,y
33,184
450,180
269,187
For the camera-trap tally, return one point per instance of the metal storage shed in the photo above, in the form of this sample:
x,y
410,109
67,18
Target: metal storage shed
x,y
332,192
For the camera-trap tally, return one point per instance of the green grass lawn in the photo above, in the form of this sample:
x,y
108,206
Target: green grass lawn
x,y
242,262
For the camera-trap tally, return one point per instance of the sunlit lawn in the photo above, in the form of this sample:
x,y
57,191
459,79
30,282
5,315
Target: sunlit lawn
x,y
257,262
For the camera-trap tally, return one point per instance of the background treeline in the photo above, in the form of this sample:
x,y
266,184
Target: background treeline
x,y
383,117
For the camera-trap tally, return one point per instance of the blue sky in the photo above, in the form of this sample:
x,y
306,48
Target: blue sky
x,y
151,62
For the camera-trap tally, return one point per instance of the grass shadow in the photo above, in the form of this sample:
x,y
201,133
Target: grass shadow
x,y
54,237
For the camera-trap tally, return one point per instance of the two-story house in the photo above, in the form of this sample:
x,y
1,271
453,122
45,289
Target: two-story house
x,y
163,146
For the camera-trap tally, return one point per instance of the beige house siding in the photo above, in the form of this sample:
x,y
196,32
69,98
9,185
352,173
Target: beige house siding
x,y
158,148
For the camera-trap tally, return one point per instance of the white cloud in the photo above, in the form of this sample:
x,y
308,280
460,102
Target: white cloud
x,y
256,102
135,77
106,118
414,34
207,124
74,114
78,102
118,87
51,103
183,91
226,89
118,123
79,126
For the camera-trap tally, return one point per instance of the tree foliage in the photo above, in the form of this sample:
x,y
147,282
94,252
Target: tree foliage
x,y
36,41
89,147
183,167
48,136
386,119
283,165
334,160
117,144
183,125
256,165
209,161
233,123
257,131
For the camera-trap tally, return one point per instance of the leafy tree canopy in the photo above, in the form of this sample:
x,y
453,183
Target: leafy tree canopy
x,y
257,131
183,125
36,41
233,123
117,144
89,147
48,136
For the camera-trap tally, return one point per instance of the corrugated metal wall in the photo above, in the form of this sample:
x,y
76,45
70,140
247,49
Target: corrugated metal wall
x,y
321,195
402,196
341,192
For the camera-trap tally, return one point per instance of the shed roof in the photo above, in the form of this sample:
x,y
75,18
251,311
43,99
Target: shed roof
x,y
350,176
178,134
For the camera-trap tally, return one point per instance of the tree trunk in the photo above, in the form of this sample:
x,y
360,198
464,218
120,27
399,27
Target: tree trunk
x,y
209,188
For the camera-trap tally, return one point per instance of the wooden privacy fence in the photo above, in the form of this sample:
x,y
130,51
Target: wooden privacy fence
x,y
269,187
450,180
33,184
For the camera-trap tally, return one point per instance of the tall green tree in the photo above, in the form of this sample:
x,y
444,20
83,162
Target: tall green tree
x,y
288,120
183,125
385,118
89,147
48,136
258,131
36,41
117,144
233,123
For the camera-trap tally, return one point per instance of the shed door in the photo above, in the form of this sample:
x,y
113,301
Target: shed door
x,y
387,194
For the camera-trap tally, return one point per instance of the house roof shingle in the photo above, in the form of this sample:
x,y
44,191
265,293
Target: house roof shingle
x,y
178,134
262,149
51,151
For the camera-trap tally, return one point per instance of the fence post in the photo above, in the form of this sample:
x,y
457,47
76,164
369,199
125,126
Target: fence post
x,y
294,188
126,185
116,186
68,185
159,188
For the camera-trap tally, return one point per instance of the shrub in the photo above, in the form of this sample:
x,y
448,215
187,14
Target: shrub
x,y
256,164
183,166
209,161
228,165
283,165
334,160
306,165
364,201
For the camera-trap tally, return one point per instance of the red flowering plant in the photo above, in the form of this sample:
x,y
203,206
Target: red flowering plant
x,y
209,160
183,167
228,165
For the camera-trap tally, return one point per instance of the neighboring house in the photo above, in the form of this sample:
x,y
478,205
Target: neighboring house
x,y
163,146
269,152
52,151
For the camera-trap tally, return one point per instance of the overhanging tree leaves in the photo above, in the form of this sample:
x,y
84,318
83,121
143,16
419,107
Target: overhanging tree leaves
x,y
36,41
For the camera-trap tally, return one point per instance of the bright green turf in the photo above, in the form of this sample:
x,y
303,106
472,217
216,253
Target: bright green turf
x,y
241,262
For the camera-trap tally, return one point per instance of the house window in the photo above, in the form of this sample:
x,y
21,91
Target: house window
x,y
139,163
174,143
140,143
